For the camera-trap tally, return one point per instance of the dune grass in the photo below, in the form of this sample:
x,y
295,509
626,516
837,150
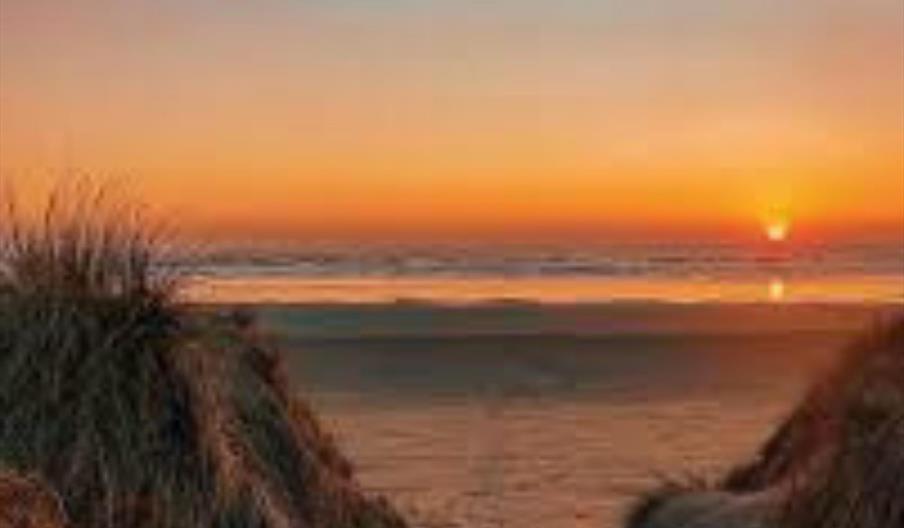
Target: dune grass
x,y
836,462
138,412
841,456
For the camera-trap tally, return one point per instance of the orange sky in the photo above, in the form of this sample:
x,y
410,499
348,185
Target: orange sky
x,y
511,119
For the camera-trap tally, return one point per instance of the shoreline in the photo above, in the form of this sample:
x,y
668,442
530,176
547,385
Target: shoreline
x,y
355,321
464,290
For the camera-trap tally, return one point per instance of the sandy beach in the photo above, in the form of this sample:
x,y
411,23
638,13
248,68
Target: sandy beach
x,y
506,416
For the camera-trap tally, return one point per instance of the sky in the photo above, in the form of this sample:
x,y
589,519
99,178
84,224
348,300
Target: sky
x,y
467,119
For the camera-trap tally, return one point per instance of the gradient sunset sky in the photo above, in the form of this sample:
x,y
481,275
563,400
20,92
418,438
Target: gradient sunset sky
x,y
507,119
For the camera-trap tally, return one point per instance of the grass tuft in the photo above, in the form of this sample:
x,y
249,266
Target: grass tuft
x,y
135,411
837,462
85,243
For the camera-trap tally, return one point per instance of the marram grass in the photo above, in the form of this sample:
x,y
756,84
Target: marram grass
x,y
836,462
121,408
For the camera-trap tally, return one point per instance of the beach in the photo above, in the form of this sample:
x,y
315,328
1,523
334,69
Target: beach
x,y
526,415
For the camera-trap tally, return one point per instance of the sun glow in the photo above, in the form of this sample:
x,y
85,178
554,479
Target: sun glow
x,y
778,230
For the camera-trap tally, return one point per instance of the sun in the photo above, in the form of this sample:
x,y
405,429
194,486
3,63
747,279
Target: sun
x,y
778,230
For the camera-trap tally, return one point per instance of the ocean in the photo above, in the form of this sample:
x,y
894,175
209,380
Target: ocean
x,y
550,387
450,274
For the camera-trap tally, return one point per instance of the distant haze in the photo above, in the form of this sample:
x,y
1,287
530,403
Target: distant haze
x,y
468,119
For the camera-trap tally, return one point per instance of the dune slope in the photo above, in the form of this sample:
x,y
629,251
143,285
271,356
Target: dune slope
x,y
837,462
129,410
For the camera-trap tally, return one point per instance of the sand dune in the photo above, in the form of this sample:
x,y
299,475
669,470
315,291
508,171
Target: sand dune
x,y
135,412
837,462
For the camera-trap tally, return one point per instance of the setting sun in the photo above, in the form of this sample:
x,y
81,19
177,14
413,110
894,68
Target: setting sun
x,y
778,231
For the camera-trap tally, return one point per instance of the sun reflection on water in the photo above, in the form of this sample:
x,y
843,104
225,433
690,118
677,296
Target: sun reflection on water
x,y
777,290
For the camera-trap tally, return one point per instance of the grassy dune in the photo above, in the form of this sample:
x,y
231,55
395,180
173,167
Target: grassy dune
x,y
837,462
121,408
